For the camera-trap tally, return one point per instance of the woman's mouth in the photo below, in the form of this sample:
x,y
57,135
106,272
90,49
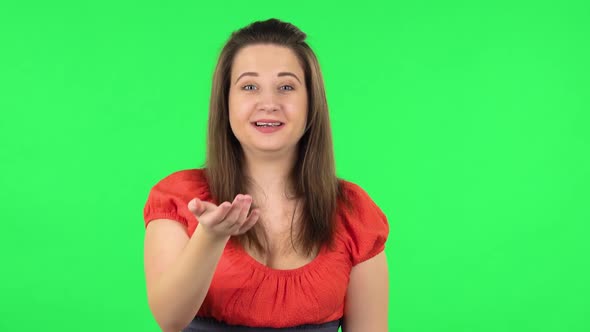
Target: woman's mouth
x,y
267,127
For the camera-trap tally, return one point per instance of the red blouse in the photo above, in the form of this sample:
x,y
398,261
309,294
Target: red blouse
x,y
245,292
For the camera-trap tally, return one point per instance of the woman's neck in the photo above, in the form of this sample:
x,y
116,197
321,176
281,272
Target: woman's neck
x,y
271,174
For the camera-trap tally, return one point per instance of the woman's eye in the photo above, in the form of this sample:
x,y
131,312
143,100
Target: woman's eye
x,y
249,87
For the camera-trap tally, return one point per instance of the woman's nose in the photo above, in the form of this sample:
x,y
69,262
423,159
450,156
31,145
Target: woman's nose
x,y
267,101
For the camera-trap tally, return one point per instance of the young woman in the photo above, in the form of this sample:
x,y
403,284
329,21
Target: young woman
x,y
266,237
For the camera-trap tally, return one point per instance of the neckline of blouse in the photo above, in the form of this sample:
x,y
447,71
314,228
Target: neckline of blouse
x,y
251,261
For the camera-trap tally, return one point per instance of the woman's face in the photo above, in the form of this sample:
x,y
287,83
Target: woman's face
x,y
267,86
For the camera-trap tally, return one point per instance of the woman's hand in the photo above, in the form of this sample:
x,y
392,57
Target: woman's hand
x,y
227,219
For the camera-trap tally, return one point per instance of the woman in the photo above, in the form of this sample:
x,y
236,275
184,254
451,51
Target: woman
x,y
265,237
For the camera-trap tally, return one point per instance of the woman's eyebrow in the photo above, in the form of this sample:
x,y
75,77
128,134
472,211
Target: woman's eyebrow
x,y
284,73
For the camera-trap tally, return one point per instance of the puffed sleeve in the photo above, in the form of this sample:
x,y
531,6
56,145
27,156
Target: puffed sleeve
x,y
169,198
366,226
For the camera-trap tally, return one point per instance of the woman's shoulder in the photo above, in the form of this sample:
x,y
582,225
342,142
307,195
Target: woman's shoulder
x,y
356,197
187,181
363,225
184,176
169,196
183,184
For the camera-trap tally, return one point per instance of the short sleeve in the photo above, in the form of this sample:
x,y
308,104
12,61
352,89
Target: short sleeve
x,y
365,227
169,198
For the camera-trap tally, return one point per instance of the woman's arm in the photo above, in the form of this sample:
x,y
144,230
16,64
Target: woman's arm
x,y
367,296
178,271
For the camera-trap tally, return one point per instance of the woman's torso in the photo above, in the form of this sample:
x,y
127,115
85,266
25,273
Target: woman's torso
x,y
283,283
281,221
285,288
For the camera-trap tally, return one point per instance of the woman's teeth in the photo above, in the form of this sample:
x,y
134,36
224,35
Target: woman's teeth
x,y
268,124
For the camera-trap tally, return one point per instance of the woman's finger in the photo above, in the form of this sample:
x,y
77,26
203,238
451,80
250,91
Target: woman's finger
x,y
196,207
232,216
246,202
251,221
220,212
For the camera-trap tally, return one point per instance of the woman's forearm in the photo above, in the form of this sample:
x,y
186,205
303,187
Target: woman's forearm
x,y
179,291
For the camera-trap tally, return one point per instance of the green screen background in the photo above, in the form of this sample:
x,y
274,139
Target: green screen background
x,y
467,122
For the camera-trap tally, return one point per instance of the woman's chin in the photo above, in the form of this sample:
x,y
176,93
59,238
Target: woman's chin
x,y
269,149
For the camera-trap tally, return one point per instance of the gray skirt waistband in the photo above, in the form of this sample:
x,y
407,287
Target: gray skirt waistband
x,y
206,324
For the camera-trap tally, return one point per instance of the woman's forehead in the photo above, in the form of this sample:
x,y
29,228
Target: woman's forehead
x,y
266,60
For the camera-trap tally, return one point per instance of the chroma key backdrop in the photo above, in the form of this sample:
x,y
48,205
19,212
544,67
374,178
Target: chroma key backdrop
x,y
466,121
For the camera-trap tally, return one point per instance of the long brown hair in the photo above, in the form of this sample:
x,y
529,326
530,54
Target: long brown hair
x,y
313,176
